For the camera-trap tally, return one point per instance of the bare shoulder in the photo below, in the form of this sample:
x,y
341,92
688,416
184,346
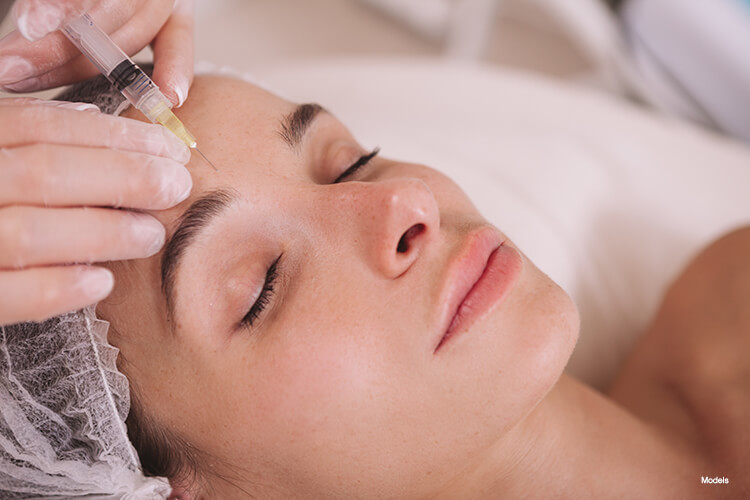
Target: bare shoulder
x,y
706,311
690,374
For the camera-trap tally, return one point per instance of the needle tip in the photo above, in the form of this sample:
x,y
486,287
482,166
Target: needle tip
x,y
207,160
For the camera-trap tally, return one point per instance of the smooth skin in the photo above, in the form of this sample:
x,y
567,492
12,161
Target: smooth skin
x,y
337,384
336,391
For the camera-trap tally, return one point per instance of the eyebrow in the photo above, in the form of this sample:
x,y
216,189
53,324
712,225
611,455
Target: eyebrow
x,y
205,209
195,219
295,124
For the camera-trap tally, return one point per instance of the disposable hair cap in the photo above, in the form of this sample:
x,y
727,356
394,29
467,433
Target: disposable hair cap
x,y
63,405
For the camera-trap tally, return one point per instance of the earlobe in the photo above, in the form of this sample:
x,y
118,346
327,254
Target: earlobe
x,y
179,496
185,486
179,493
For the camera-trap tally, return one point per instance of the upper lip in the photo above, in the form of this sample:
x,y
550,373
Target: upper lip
x,y
463,272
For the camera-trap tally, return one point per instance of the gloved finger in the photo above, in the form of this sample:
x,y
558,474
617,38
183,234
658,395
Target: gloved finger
x,y
40,293
37,18
32,101
65,176
34,236
22,63
21,60
54,61
174,53
54,125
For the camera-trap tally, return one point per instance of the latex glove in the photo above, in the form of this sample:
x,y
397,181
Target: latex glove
x,y
62,173
52,60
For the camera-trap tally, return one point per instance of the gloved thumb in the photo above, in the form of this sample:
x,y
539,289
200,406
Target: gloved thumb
x,y
36,18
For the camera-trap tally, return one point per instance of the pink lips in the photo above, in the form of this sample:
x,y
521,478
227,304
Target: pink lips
x,y
478,280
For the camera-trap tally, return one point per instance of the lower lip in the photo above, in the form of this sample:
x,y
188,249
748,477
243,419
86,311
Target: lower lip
x,y
499,276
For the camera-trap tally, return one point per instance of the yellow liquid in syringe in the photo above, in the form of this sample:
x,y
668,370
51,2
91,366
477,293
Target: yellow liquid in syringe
x,y
163,115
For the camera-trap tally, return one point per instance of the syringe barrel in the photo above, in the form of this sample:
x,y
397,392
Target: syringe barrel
x,y
94,43
125,75
157,108
119,69
135,85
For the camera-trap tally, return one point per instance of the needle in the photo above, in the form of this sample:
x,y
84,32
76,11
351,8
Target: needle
x,y
126,76
207,160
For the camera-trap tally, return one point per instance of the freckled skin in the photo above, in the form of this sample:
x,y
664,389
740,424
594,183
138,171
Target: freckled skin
x,y
336,393
337,386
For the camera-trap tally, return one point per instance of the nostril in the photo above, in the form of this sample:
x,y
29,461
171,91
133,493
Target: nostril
x,y
412,232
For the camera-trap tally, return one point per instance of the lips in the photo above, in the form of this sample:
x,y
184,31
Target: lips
x,y
478,279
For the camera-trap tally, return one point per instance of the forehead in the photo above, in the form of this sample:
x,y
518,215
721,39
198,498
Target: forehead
x,y
231,110
229,117
215,97
236,125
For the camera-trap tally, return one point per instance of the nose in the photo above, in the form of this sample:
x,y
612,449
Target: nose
x,y
394,219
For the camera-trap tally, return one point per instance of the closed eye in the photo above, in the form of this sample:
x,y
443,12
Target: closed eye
x,y
267,292
265,296
361,162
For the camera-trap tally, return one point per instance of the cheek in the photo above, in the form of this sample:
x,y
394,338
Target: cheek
x,y
323,409
317,382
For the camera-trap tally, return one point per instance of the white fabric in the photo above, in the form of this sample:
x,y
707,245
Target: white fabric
x,y
62,409
609,200
702,47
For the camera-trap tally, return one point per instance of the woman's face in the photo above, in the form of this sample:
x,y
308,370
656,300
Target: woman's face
x,y
335,388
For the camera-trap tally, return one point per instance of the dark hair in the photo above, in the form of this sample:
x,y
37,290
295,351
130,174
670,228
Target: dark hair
x,y
161,451
97,91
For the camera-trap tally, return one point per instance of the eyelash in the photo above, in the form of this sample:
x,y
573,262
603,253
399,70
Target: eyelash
x,y
264,299
361,162
265,295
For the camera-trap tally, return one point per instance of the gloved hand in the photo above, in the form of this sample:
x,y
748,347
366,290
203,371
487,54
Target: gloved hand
x,y
52,60
66,172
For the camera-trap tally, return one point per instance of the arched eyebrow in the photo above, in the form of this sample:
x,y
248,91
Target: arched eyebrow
x,y
205,209
295,124
195,219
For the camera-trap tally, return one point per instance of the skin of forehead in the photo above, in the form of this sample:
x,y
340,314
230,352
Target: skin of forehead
x,y
224,114
216,108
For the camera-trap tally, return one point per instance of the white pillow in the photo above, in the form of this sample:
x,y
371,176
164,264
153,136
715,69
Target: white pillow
x,y
611,201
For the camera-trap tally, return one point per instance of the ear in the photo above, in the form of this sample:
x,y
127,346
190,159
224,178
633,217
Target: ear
x,y
179,492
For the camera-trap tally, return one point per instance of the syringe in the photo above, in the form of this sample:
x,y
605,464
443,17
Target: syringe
x,y
127,77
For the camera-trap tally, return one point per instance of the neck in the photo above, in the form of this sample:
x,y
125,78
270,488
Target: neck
x,y
577,443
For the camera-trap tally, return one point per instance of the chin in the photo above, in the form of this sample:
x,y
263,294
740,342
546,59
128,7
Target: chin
x,y
538,329
553,333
